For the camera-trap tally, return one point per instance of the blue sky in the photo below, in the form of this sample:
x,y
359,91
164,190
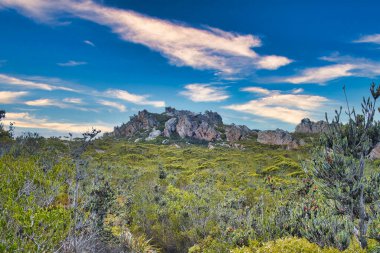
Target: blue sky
x,y
69,65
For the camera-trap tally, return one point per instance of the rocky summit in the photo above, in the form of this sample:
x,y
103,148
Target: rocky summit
x,y
172,123
310,127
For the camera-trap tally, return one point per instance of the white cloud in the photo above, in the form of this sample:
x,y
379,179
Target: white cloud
x,y
272,62
31,84
72,63
88,42
25,120
204,93
46,102
209,48
297,91
116,105
321,74
77,101
373,38
133,98
343,66
258,90
289,108
9,97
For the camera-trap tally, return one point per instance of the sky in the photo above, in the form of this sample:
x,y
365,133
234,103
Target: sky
x,y
70,65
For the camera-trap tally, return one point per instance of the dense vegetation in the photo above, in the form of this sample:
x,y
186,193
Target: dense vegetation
x,y
111,195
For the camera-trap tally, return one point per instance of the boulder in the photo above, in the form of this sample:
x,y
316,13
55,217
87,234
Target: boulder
x,y
170,127
206,132
236,133
186,126
153,135
311,127
277,137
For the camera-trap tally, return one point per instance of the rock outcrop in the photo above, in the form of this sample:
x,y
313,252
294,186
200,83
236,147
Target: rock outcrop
x,y
206,126
311,127
236,133
277,137
142,121
170,127
200,126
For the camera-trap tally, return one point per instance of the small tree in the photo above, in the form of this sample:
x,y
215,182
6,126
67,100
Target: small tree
x,y
338,164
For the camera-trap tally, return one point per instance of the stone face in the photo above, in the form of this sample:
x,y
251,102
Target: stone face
x,y
277,137
170,127
236,133
375,152
308,126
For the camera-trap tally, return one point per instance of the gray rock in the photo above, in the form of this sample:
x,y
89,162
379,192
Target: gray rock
x,y
186,126
206,132
308,126
170,127
165,142
277,137
182,122
236,133
140,122
153,135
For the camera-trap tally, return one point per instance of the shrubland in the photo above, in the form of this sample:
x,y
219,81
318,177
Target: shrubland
x,y
110,195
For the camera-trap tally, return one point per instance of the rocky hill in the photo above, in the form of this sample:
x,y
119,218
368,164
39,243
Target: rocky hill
x,y
207,127
172,123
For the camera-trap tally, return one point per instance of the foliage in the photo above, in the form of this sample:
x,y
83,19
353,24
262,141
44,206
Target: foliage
x,y
338,168
113,195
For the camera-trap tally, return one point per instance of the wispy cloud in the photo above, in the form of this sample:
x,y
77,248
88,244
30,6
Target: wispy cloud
x,y
133,98
30,84
321,74
289,108
209,48
116,105
88,42
204,93
26,120
72,63
9,97
373,38
258,90
297,91
77,101
50,84
342,66
46,102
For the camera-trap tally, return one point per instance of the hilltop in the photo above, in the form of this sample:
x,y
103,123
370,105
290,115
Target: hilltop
x,y
207,127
